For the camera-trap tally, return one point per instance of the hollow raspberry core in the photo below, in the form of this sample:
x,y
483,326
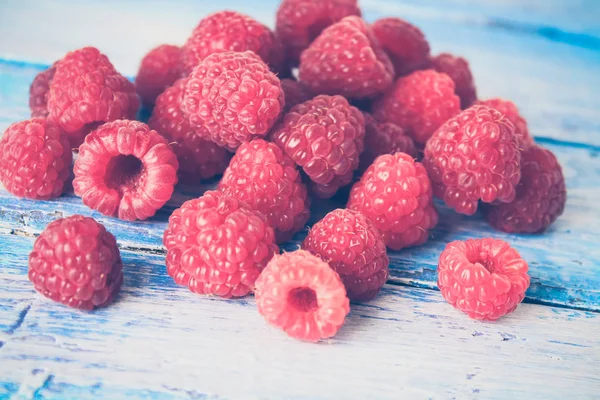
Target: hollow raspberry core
x,y
303,299
123,172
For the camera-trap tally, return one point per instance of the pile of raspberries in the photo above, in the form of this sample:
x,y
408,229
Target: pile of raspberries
x,y
287,117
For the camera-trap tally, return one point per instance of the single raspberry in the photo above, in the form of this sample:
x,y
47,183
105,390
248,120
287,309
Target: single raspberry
x,y
458,69
300,294
38,92
198,158
233,95
346,60
324,136
404,43
125,170
158,70
75,261
295,93
484,278
384,138
35,159
263,177
474,156
395,193
541,195
299,22
217,246
86,91
354,248
511,112
419,103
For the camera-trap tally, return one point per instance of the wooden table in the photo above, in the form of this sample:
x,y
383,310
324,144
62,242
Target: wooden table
x,y
161,341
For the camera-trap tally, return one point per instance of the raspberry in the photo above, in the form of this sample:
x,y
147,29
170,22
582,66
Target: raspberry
x,y
346,60
125,170
484,278
198,158
217,246
458,69
235,96
38,92
35,159
354,248
75,261
299,22
295,93
158,70
86,91
541,195
395,193
511,112
474,156
404,43
264,178
300,294
324,136
419,103
384,138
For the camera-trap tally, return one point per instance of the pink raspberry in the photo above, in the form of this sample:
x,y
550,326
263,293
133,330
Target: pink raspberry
x,y
484,278
300,294
458,69
354,248
198,157
346,60
235,96
419,103
404,43
75,261
38,92
474,156
86,91
511,112
295,93
158,70
263,177
541,195
395,193
325,137
125,170
217,246
35,159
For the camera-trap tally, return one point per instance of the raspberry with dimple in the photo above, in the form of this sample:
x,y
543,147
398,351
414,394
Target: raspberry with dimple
x,y
484,278
75,261
158,70
458,69
511,112
38,92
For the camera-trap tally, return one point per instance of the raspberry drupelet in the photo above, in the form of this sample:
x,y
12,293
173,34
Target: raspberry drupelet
x,y
302,295
458,69
158,70
484,278
35,159
395,193
354,248
75,261
474,156
38,92
511,112
218,246
125,170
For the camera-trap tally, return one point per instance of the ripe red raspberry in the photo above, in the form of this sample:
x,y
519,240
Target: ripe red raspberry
x,y
125,170
235,96
511,112
346,60
264,178
395,193
404,43
541,195
75,261
158,70
300,294
474,156
35,159
458,69
38,92
324,136
354,248
198,158
419,103
87,91
484,278
217,246
295,93
299,22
